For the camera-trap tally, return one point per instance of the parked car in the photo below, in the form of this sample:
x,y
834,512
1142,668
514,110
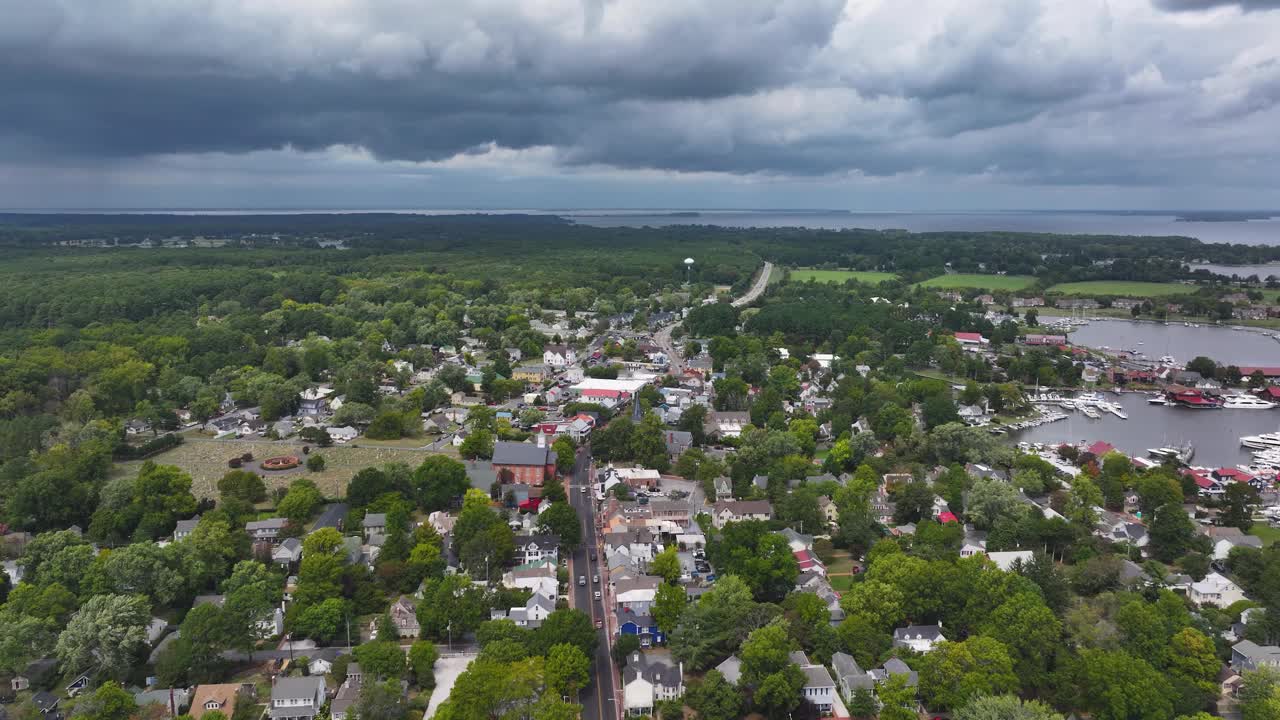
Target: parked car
x,y
597,594
582,579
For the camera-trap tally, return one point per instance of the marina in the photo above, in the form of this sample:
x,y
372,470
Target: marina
x,y
1215,436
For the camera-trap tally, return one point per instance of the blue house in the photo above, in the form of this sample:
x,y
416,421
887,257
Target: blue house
x,y
642,626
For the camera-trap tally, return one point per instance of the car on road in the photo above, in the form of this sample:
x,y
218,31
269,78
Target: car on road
x,y
597,594
595,579
599,623
582,579
593,555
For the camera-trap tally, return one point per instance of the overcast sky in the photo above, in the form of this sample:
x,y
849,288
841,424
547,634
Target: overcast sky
x,y
859,104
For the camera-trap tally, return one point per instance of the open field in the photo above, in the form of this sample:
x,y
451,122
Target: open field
x,y
869,277
1121,287
206,461
1268,534
985,282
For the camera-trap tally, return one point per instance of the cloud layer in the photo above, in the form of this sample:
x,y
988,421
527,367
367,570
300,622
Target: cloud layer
x,y
299,94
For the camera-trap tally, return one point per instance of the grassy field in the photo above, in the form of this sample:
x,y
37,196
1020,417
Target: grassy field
x,y
984,282
868,277
206,461
1121,287
1268,534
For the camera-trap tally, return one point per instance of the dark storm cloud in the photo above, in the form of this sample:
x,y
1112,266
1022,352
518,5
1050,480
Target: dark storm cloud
x,y
1050,92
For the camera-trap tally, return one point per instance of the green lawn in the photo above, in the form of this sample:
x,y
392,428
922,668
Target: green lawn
x,y
984,282
868,277
1268,534
841,583
1121,287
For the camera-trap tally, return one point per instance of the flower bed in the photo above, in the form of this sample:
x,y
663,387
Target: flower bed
x,y
283,462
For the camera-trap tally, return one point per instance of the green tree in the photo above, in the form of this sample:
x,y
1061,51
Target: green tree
x,y
1030,631
243,485
1171,532
566,453
562,520
1260,695
565,626
567,669
108,702
301,501
1004,707
955,673
881,603
1113,685
422,661
764,653
714,698
438,481
666,565
379,701
862,704
990,500
668,605
1081,501
1238,504
897,699
106,634
779,693
648,445
315,462
477,444
382,659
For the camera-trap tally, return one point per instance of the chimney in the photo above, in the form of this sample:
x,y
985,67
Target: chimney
x,y
542,439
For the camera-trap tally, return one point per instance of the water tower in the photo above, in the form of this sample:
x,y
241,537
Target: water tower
x,y
688,269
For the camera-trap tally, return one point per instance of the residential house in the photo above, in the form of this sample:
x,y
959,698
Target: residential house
x,y
892,667
648,680
183,529
726,511
1248,655
374,524
642,626
559,356
849,677
347,693
1007,560
677,442
819,689
524,463
173,700
1215,590
296,698
636,595
532,548
222,698
287,553
1224,538
265,530
535,610
404,615
971,338
535,374
920,638
829,510
726,424
342,435
731,669
37,674
47,704
538,577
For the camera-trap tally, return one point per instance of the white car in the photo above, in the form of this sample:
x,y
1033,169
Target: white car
x,y
597,594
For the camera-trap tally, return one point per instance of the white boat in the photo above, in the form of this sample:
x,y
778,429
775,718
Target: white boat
x,y
1157,400
1115,409
1265,441
1167,360
1090,413
1182,453
1246,402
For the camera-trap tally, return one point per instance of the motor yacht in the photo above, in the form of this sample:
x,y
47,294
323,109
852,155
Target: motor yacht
x,y
1246,402
1265,441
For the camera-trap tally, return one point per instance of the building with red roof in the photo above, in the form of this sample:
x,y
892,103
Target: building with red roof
x,y
1100,448
1267,372
947,517
971,338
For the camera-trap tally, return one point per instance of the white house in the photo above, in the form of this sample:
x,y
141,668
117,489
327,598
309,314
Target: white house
x,y
559,356
1005,560
296,698
636,595
819,689
727,511
537,609
920,638
287,553
1215,590
342,434
647,681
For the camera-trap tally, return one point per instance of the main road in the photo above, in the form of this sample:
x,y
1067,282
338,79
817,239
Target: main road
x,y
662,338
600,699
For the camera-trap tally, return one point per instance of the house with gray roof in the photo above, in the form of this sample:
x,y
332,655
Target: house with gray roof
x,y
819,689
849,677
731,669
265,530
648,680
920,638
183,529
892,667
296,698
374,523
1248,655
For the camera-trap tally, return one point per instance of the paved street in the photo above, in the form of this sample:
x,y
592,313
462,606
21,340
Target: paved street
x,y
600,699
662,338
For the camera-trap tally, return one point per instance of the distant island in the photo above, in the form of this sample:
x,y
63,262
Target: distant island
x,y
1224,216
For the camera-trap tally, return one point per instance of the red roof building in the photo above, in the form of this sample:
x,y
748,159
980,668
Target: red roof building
x,y
1267,372
971,338
1100,448
947,517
